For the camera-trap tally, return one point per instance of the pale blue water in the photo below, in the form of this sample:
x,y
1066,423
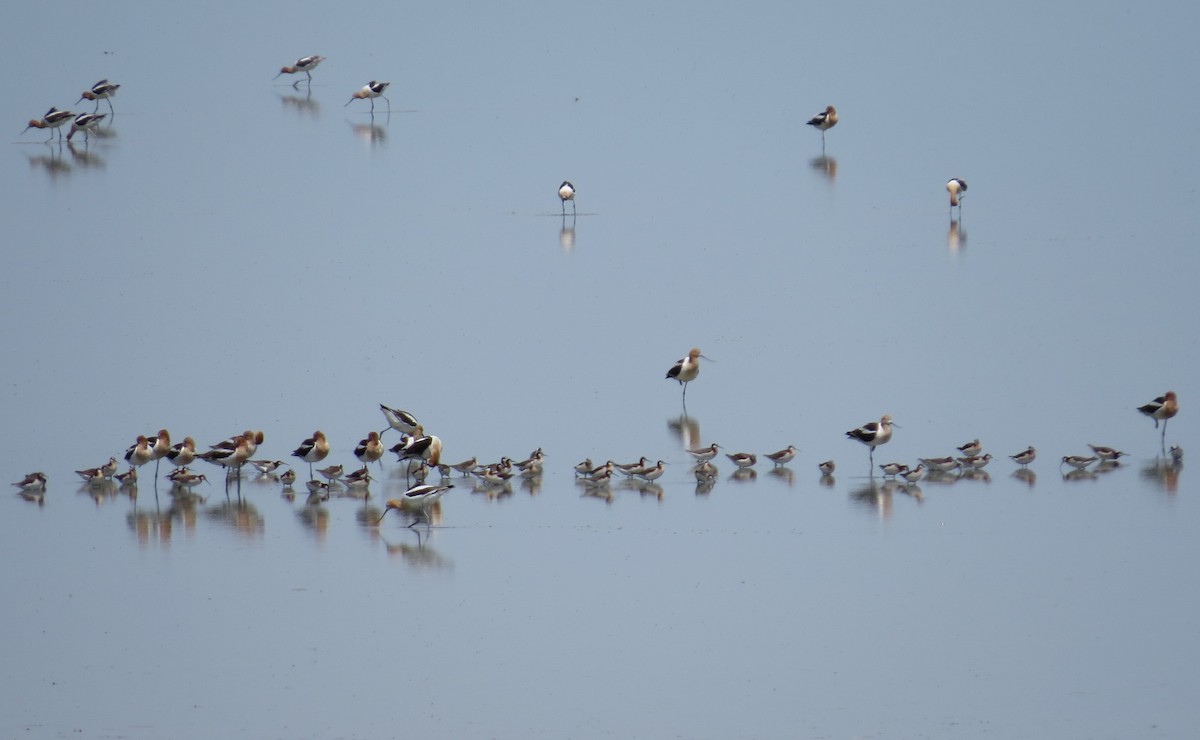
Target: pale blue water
x,y
235,253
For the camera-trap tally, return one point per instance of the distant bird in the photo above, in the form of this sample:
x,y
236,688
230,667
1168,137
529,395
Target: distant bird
x,y
743,459
128,478
566,192
704,454
893,469
958,189
288,478
86,122
970,448
915,474
1176,453
652,473
975,462
312,450
305,65
104,472
466,466
705,472
102,90
53,119
940,464
1024,457
1106,453
333,473
267,467
370,449
422,446
783,457
824,121
370,91
420,497
686,369
1162,409
873,434
583,467
827,467
401,421
140,453
32,482
182,454
1079,462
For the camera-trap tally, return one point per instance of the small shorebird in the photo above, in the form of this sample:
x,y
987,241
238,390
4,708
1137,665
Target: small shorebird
x,y
705,472
893,469
975,462
827,467
1162,409
370,91
1024,457
584,467
288,478
102,90
783,457
187,480
182,454
633,467
466,466
419,497
566,192
873,434
915,474
266,467
1176,453
312,450
970,449
370,449
824,121
958,189
32,482
85,122
1079,462
686,369
360,478
940,464
333,473
652,473
128,478
305,65
704,454
743,459
53,119
1106,453
401,421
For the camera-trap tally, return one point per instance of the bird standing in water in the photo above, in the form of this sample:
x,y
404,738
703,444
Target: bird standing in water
x,y
686,369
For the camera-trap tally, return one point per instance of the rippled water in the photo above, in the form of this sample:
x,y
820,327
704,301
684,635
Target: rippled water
x,y
230,252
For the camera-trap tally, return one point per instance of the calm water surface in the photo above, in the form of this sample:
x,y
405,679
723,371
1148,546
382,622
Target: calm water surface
x,y
230,252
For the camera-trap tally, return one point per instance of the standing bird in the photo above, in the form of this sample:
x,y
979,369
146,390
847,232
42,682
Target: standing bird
x,y
370,91
85,122
686,369
958,190
370,449
312,450
32,482
824,121
53,119
783,457
1162,408
420,497
1024,457
566,192
102,90
873,434
182,454
305,65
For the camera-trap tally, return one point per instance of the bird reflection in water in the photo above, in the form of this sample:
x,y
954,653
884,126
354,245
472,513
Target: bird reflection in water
x,y
420,555
744,475
1026,476
566,234
241,516
871,495
956,238
303,104
84,158
827,166
687,430
53,163
372,134
1164,472
784,473
315,517
100,490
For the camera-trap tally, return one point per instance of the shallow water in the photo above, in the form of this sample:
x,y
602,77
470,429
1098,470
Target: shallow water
x,y
232,253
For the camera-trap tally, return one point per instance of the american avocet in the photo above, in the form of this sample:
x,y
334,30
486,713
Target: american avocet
x,y
182,454
312,450
420,498
970,449
401,421
140,453
1024,457
1162,409
705,453
53,119
566,192
370,91
160,447
873,434
783,457
1079,462
827,467
32,482
102,90
333,473
303,64
85,122
940,464
686,369
421,446
370,449
1176,453
1106,453
893,469
230,458
914,474
824,121
975,462
743,459
957,188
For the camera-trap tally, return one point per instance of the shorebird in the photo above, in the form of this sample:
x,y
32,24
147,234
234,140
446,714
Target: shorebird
x,y
420,497
958,190
1106,453
85,122
182,454
1024,457
915,474
1176,453
187,480
652,473
333,473
893,469
584,467
370,449
230,457
102,90
128,478
704,454
32,482
422,446
970,449
940,464
783,457
370,91
1079,462
824,121
873,434
566,192
140,453
686,369
312,450
743,459
267,467
975,462
401,421
705,472
633,467
288,478
466,466
1162,409
305,65
53,119
827,467
360,478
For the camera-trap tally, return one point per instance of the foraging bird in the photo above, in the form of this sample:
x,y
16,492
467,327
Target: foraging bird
x,y
1079,462
1025,457
305,65
824,121
1162,408
370,91
312,450
85,122
1106,453
873,434
53,119
566,192
401,421
958,189
102,90
686,369
420,497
